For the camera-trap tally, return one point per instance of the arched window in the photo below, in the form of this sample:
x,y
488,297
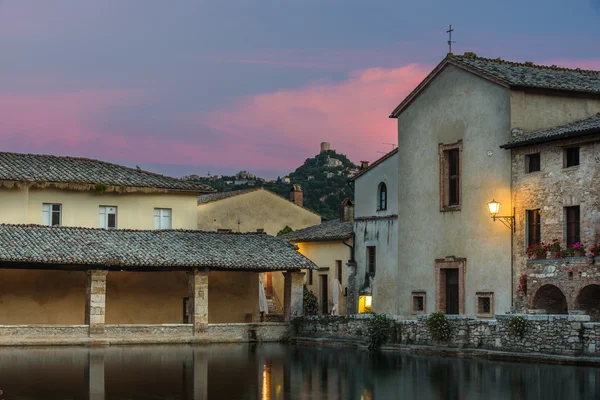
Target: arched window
x,y
382,205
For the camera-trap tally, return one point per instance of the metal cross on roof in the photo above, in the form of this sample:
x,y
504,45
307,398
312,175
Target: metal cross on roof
x,y
450,41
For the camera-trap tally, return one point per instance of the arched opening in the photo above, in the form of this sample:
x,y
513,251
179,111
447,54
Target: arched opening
x,y
551,299
588,300
382,197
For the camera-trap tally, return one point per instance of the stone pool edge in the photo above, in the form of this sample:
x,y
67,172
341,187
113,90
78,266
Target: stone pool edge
x,y
538,358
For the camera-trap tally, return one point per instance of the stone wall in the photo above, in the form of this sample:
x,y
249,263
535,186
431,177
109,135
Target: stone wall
x,y
547,334
550,190
570,275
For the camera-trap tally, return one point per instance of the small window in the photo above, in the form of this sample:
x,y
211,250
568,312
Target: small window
x,y
338,266
571,157
51,214
382,197
485,304
310,276
533,162
371,260
450,176
573,225
162,218
418,303
108,217
534,234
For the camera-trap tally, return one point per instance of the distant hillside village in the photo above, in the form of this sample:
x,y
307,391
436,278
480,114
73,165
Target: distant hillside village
x,y
487,211
324,179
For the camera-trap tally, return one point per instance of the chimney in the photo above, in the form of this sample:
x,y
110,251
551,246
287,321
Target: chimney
x,y
296,195
364,164
347,211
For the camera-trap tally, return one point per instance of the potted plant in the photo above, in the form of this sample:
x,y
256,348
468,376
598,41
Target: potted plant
x,y
553,249
536,251
594,252
567,252
578,249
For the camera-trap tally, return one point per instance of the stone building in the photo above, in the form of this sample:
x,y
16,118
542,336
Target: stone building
x,y
330,246
556,195
82,238
450,130
376,235
257,210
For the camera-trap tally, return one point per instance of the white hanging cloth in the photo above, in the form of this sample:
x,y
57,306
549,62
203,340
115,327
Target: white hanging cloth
x,y
337,292
263,304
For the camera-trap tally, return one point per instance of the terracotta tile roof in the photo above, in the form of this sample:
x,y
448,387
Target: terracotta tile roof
x,y
533,75
332,230
59,169
513,75
207,198
130,249
578,127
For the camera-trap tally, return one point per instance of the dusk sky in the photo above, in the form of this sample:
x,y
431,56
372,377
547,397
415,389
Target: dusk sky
x,y
188,86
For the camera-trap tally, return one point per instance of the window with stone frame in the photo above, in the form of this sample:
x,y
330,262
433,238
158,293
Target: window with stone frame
x,y
485,304
419,302
573,227
532,163
450,157
382,197
571,157
534,234
371,260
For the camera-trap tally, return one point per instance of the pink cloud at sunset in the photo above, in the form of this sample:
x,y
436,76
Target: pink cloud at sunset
x,y
352,114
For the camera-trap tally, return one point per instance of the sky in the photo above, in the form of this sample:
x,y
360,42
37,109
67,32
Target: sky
x,y
191,86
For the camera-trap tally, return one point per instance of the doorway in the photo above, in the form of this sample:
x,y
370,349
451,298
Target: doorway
x,y
451,290
269,285
324,295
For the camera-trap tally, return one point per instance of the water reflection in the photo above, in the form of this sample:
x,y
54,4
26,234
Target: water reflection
x,y
276,372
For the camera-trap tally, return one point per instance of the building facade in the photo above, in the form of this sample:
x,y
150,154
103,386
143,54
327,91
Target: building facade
x,y
376,234
257,210
330,246
452,256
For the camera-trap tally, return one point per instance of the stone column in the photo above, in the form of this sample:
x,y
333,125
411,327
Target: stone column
x,y
352,295
198,299
95,374
95,300
293,294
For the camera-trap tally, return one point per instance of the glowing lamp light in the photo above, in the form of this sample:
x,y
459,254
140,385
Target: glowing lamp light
x,y
494,207
368,301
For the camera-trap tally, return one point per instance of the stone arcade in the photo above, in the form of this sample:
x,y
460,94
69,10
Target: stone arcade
x,y
81,285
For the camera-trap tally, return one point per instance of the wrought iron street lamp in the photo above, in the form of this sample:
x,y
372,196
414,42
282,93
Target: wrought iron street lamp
x,y
508,220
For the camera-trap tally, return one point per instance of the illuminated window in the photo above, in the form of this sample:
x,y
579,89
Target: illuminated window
x,y
364,304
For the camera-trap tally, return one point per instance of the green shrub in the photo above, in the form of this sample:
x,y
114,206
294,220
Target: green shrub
x,y
311,304
517,326
285,230
439,327
379,330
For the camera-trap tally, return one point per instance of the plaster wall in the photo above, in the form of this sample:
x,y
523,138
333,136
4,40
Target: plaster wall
x,y
58,297
14,209
366,189
324,254
157,297
42,297
534,111
134,210
455,106
258,209
379,228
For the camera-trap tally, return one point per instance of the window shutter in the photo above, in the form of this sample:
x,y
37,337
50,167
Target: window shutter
x,y
47,214
165,222
157,218
102,218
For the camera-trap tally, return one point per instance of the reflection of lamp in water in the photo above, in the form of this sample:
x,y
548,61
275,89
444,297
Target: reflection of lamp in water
x,y
266,383
364,304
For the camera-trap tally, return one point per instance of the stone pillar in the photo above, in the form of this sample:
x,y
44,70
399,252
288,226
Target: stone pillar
x,y
293,294
95,300
352,295
95,374
198,299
